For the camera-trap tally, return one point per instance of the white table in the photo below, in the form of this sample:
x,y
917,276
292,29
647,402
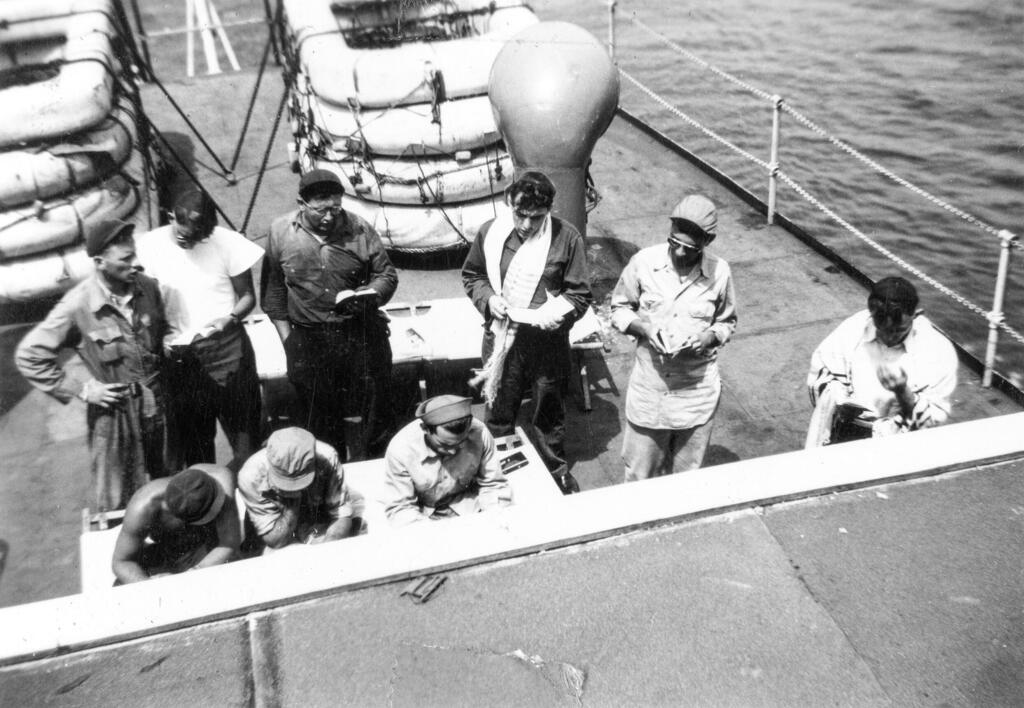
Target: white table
x,y
441,331
531,484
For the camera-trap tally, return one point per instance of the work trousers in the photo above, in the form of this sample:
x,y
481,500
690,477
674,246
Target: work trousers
x,y
538,360
126,444
197,401
343,371
652,452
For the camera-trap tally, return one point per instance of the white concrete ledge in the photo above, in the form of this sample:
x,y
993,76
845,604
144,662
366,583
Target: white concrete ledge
x,y
51,627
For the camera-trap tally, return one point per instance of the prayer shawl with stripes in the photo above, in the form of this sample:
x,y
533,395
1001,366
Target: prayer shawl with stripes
x,y
521,280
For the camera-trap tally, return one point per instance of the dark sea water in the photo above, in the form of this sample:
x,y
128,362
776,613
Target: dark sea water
x,y
934,91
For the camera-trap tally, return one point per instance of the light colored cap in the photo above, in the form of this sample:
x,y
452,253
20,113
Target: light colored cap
x,y
444,409
699,210
291,453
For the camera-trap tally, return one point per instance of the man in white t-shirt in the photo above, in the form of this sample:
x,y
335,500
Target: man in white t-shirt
x,y
205,276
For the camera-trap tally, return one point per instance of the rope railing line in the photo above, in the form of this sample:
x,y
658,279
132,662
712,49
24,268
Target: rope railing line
x,y
813,127
913,270
814,201
886,172
697,60
679,114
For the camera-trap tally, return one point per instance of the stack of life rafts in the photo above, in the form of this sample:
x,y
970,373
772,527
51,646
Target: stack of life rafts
x,y
392,95
68,150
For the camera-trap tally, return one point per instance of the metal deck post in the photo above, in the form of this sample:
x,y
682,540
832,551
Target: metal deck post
x,y
773,160
995,317
611,28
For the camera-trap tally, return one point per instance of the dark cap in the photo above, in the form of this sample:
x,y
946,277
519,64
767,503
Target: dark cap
x,y
103,234
194,497
444,409
324,180
291,453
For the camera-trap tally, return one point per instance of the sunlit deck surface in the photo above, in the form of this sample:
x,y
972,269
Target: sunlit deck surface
x,y
905,595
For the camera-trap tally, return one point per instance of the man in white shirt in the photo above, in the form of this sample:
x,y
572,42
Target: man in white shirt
x,y
884,370
205,278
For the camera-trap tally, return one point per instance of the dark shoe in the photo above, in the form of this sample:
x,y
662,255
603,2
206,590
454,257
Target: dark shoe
x,y
566,483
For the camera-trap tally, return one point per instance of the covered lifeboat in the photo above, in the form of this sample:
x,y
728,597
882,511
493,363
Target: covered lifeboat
x,y
392,96
69,153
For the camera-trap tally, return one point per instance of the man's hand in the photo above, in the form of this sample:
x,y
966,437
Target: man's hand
x,y
892,377
702,343
103,395
551,322
498,307
653,337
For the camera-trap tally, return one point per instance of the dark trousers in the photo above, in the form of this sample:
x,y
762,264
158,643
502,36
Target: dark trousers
x,y
344,371
538,360
196,401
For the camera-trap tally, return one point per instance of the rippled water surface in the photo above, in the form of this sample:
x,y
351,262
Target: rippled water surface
x,y
934,91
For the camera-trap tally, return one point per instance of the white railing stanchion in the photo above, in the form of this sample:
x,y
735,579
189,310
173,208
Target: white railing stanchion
x,y
773,160
995,317
611,28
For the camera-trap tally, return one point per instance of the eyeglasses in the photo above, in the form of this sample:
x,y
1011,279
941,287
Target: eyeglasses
x,y
332,209
689,248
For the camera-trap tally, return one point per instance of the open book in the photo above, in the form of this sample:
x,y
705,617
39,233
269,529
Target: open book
x,y
347,299
555,306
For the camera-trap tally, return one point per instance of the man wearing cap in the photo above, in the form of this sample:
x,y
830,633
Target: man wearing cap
x,y
114,319
678,301
206,282
883,370
526,273
294,491
185,522
324,277
443,464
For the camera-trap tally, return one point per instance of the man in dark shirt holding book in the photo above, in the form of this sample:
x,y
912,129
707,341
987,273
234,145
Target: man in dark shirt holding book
x,y
324,277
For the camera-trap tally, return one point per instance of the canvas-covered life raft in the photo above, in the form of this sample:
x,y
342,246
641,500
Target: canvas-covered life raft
x,y
392,95
69,153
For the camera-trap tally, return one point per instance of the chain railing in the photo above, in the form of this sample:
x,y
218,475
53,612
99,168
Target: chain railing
x,y
1008,241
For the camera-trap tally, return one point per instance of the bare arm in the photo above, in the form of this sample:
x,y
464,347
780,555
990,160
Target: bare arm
x,y
126,562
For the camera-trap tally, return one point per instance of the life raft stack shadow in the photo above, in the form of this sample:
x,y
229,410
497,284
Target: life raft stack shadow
x,y
70,153
392,96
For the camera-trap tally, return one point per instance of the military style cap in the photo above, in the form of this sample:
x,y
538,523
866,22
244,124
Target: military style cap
x,y
699,211
444,409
